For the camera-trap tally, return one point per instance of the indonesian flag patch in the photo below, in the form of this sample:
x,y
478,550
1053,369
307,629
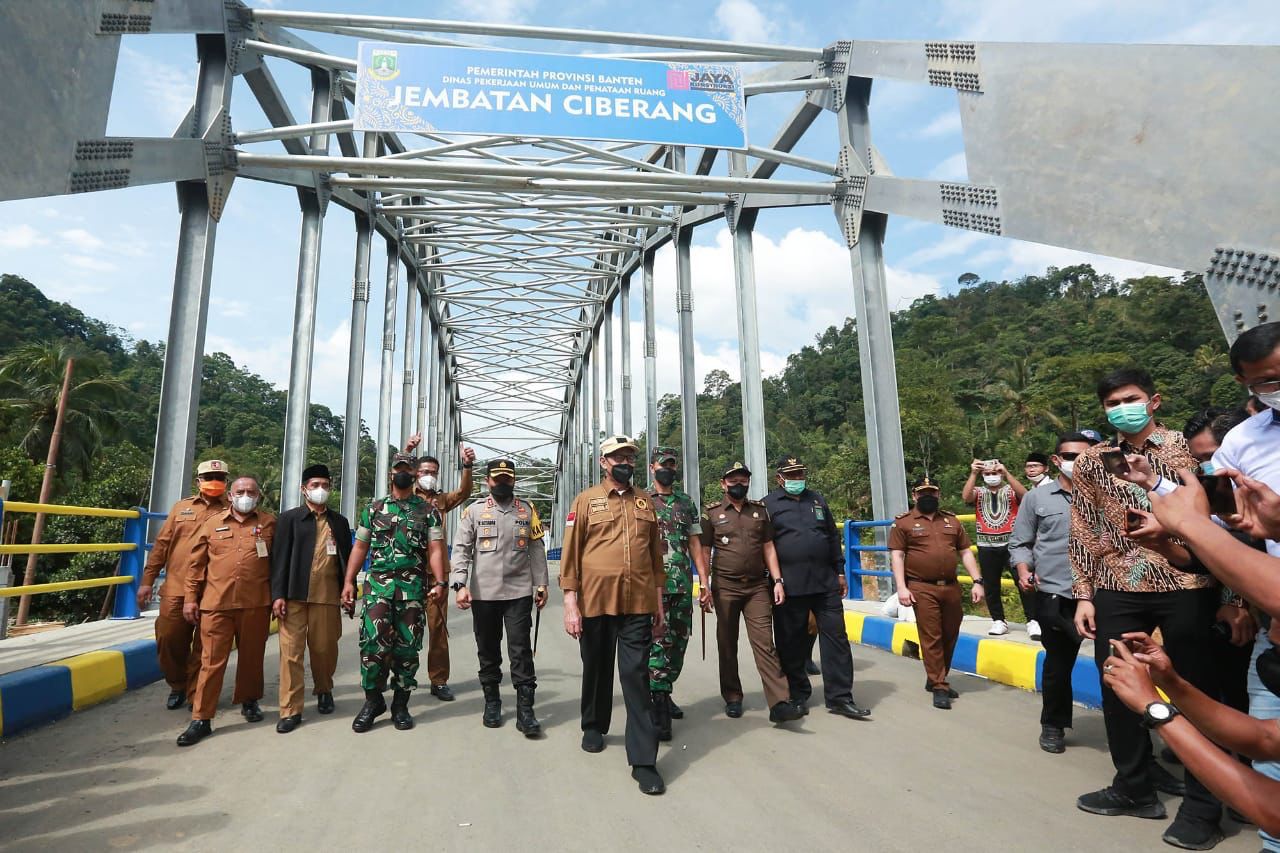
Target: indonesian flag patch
x,y
568,522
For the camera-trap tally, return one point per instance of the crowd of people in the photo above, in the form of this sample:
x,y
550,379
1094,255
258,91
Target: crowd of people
x,y
1152,531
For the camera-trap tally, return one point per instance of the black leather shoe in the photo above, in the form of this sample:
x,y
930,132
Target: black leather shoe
x,y
941,700
733,709
812,668
526,721
1110,802
649,780
951,691
848,708
324,703
492,718
1053,739
374,706
196,732
442,692
784,712
803,705
400,711
176,700
1164,781
1191,834
592,741
251,712
677,713
288,724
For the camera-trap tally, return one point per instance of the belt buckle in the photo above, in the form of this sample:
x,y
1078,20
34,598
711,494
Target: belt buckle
x,y
942,582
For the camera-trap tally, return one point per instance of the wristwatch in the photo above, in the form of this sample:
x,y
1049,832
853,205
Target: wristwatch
x,y
777,581
440,583
1157,714
457,585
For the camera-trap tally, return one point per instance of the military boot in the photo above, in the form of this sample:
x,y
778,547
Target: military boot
x,y
492,706
662,715
525,720
374,706
400,710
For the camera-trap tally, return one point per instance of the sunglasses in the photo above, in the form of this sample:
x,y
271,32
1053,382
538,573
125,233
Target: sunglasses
x,y
1068,457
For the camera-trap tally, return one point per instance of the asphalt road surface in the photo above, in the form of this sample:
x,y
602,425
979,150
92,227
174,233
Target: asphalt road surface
x,y
911,779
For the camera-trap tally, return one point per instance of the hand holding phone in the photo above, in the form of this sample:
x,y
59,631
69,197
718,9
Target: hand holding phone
x,y
1133,519
1221,494
1114,462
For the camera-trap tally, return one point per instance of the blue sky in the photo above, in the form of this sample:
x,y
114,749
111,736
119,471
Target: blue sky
x,y
111,254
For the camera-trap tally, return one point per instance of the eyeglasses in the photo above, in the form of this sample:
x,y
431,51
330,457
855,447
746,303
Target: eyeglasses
x,y
1068,457
1269,386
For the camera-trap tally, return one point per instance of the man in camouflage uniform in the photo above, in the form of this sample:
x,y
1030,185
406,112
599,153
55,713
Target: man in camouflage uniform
x,y
678,526
402,534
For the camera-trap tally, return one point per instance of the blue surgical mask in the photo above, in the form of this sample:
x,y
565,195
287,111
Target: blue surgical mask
x,y
1129,418
793,487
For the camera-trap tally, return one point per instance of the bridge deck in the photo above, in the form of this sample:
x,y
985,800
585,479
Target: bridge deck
x,y
911,779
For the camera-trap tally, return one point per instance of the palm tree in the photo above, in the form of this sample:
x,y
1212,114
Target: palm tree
x,y
1208,359
1025,404
30,383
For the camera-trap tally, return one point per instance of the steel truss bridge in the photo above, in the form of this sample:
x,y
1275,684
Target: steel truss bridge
x,y
508,258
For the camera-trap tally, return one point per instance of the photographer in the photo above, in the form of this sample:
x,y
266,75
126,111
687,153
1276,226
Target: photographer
x,y
995,506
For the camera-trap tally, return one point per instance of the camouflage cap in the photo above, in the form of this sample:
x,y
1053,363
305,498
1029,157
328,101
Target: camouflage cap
x,y
404,459
663,452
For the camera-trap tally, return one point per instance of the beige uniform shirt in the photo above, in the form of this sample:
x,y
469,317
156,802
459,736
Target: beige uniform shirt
x,y
324,586
498,551
612,552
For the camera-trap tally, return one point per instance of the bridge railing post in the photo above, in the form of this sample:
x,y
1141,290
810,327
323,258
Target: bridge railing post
x,y
852,560
125,603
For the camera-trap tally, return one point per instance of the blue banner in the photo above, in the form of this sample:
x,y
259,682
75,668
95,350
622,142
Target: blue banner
x,y
404,87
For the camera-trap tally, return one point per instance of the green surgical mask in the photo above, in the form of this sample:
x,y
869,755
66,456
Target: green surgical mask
x,y
793,487
1129,418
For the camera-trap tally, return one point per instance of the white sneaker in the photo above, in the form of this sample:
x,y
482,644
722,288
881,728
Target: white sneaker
x,y
1033,629
999,628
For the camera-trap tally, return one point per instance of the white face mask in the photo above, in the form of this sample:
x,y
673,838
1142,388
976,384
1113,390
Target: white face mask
x,y
429,483
318,496
991,480
244,504
1271,400
1065,467
1037,478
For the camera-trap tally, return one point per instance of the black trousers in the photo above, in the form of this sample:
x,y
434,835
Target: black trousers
x,y
629,638
1185,619
1061,646
994,562
1231,665
488,618
791,636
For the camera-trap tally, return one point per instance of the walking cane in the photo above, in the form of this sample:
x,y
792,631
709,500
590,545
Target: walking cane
x,y
704,634
537,623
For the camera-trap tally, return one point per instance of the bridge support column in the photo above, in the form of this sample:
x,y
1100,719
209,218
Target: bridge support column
x,y
651,356
608,367
426,366
741,225
439,392
184,350
865,238
624,328
297,417
388,367
412,301
350,482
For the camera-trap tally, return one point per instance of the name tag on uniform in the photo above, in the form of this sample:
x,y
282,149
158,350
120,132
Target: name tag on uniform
x,y
261,545
919,531
221,529
330,548
817,512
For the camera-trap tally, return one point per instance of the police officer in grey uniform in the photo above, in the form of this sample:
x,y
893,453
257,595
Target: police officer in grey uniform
x,y
500,575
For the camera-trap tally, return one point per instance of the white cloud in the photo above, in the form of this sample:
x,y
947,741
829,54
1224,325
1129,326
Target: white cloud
x,y
954,243
743,21
22,237
954,168
944,124
91,263
497,11
906,287
229,308
81,239
1024,258
170,89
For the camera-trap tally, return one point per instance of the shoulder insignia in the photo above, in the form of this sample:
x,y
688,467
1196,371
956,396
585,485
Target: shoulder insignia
x,y
568,522
641,503
902,514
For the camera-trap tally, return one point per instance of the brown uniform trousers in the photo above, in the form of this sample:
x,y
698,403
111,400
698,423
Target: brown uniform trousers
x,y
931,546
438,609
229,577
753,601
313,628
177,640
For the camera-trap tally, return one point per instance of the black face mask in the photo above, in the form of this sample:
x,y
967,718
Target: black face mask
x,y
927,504
402,479
622,473
502,491
737,491
664,476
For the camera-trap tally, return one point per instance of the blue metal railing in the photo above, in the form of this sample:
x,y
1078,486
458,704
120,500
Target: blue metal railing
x,y
853,551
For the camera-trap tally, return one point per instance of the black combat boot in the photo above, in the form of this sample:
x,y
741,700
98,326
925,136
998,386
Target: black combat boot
x,y
662,715
492,706
525,720
374,706
400,710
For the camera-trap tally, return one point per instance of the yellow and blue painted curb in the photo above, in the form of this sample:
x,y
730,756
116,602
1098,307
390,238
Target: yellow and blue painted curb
x,y
41,694
1014,664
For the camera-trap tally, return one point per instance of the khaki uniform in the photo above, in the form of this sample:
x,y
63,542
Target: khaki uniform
x,y
438,609
177,640
314,625
500,556
740,589
229,577
932,547
612,558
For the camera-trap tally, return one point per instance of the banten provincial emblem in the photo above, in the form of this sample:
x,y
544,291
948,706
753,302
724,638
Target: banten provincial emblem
x,y
384,64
